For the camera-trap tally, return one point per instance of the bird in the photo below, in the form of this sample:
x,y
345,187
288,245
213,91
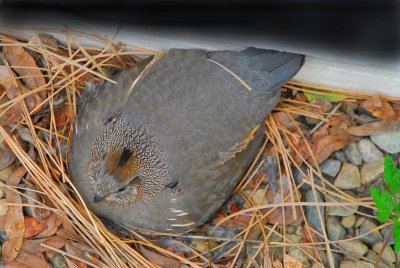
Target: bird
x,y
163,148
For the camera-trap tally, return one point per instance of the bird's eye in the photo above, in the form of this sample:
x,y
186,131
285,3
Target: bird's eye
x,y
122,189
126,154
172,184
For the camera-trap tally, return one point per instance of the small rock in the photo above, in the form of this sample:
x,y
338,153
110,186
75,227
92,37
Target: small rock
x,y
359,221
354,246
340,156
349,221
331,167
372,256
253,256
300,231
334,229
58,261
312,211
200,245
299,255
372,171
290,229
389,142
356,264
3,207
2,192
353,154
5,173
340,210
336,259
388,253
369,151
260,197
292,238
349,177
372,238
385,232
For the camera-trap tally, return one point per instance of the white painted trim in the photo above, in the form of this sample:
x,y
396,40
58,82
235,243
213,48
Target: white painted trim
x,y
319,68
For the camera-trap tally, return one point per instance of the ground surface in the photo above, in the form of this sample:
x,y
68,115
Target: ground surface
x,y
305,201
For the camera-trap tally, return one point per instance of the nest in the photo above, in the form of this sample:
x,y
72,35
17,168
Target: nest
x,y
41,81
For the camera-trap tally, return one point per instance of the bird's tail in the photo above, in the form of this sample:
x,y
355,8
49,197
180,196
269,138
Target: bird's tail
x,y
252,64
282,65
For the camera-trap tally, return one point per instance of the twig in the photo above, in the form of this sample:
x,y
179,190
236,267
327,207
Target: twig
x,y
383,248
320,124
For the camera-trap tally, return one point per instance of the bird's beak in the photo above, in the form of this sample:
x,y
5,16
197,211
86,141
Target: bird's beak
x,y
97,198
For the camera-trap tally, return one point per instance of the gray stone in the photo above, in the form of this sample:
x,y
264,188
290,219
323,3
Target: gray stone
x,y
336,259
260,197
348,177
372,171
335,229
356,264
359,221
340,156
299,255
372,256
354,246
353,154
369,151
388,253
330,167
340,210
312,211
2,192
372,238
348,221
292,238
389,142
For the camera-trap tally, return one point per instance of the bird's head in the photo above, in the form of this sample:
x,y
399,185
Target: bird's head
x,y
116,177
125,165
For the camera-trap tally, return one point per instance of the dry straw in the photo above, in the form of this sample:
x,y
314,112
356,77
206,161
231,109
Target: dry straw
x,y
51,177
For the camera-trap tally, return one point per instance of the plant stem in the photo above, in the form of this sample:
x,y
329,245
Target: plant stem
x,y
383,248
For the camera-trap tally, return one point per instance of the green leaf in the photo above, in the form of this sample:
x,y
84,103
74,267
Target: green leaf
x,y
384,203
391,175
396,236
332,97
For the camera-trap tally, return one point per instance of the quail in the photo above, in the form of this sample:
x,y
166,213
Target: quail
x,y
164,147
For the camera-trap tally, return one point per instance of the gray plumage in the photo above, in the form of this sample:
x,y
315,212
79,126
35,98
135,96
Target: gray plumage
x,y
189,125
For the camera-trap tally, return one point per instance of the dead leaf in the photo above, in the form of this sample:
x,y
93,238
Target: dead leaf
x,y
279,215
16,176
33,199
28,260
52,222
24,65
324,106
81,251
290,262
7,158
10,88
62,115
14,227
49,40
34,245
309,235
325,146
377,127
159,259
378,107
282,118
32,227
